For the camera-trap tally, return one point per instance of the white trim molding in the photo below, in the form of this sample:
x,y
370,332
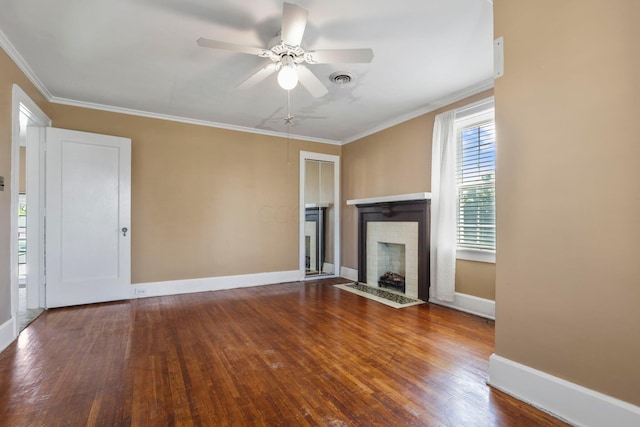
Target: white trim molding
x,y
188,286
20,62
432,106
21,103
394,198
349,273
179,119
6,333
470,304
475,108
575,404
13,53
478,255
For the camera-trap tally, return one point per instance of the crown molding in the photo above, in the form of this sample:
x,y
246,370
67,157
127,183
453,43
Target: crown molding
x,y
140,113
13,53
24,67
432,106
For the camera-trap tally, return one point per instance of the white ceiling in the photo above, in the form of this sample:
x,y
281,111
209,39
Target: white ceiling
x,y
142,55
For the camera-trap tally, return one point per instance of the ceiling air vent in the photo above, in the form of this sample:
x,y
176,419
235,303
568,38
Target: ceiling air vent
x,y
341,78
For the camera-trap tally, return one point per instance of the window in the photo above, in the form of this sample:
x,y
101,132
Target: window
x,y
475,178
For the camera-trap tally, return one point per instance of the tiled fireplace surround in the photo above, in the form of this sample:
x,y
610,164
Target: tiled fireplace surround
x,y
402,223
379,235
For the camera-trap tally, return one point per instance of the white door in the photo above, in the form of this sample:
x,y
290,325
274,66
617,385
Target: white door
x,y
88,211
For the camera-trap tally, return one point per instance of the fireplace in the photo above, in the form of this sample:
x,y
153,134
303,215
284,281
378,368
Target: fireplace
x,y
393,238
391,265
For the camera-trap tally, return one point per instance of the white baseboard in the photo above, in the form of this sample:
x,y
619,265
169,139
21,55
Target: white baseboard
x,y
349,273
175,287
6,333
470,304
573,403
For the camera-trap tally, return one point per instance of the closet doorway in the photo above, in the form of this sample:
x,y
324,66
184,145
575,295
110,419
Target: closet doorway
x,y
319,215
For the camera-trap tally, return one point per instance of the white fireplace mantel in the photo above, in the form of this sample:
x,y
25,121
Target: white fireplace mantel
x,y
396,198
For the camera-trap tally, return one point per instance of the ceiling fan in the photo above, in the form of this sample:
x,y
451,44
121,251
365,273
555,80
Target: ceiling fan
x,y
287,56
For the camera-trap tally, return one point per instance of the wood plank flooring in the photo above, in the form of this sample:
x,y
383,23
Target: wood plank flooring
x,y
292,354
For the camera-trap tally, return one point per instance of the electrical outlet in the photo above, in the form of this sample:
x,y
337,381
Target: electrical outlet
x,y
139,292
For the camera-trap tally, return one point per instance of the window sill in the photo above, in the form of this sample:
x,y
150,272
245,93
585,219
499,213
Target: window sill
x,y
477,255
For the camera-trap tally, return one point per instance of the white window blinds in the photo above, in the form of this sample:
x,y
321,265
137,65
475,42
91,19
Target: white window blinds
x,y
476,160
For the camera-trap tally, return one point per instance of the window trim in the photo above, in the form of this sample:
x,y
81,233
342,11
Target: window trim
x,y
478,255
464,117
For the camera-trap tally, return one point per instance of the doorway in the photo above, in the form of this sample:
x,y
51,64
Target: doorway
x,y
319,215
27,204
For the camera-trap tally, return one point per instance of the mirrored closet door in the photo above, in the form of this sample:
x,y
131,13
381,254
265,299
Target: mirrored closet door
x,y
319,215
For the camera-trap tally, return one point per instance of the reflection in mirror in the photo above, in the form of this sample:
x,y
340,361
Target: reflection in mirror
x,y
319,218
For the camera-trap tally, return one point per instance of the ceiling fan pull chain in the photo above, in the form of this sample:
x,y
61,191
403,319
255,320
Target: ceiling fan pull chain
x,y
288,122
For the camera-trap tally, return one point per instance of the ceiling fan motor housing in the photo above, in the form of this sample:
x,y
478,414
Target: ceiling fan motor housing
x,y
278,50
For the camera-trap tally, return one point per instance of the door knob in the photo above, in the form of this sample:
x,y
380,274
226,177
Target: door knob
x,y
124,231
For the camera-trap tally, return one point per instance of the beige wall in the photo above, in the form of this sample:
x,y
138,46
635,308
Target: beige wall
x,y
476,278
205,201
9,75
568,276
397,160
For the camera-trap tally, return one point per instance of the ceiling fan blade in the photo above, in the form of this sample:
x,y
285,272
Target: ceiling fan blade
x,y
294,21
259,76
311,82
215,44
339,56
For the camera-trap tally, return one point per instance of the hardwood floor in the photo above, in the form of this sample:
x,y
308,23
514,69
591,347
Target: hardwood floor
x,y
292,354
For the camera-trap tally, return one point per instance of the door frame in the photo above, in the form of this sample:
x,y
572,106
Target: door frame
x,y
22,103
308,155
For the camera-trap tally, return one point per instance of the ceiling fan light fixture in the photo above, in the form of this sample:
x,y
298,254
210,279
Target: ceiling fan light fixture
x,y
288,76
